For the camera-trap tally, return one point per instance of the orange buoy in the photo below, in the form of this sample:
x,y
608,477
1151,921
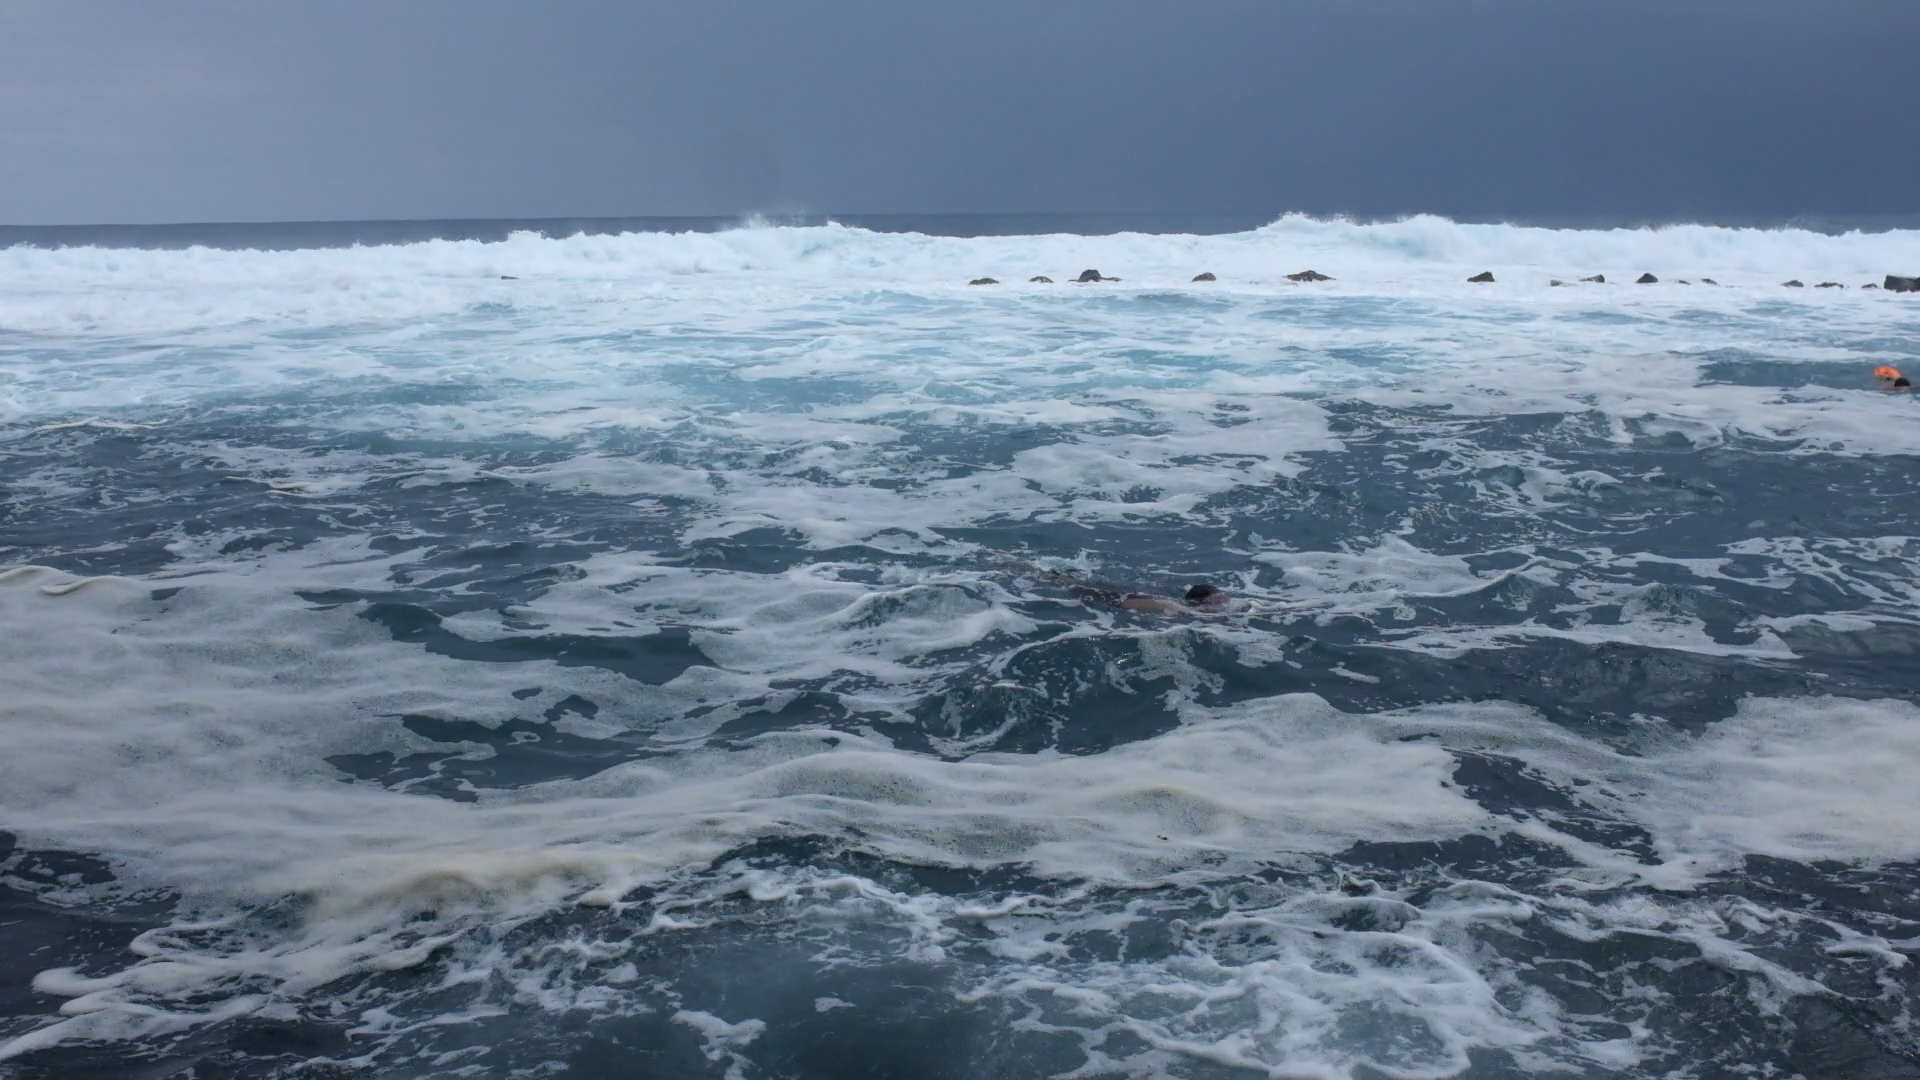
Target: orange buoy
x,y
1886,372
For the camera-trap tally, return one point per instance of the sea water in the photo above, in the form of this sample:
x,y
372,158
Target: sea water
x,y
670,653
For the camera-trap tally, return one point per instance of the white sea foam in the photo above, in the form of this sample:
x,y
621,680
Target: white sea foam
x,y
594,319
198,767
59,290
723,1041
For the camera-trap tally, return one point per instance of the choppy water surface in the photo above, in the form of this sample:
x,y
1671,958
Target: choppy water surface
x,y
659,665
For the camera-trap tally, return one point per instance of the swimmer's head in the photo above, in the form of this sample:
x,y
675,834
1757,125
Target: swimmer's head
x,y
1888,373
1204,594
1902,383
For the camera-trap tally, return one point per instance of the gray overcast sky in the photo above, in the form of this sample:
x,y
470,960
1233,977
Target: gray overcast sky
x,y
208,111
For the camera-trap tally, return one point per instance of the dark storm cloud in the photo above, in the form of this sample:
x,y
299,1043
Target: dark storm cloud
x,y
236,111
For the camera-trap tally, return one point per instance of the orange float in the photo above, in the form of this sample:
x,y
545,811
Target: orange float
x,y
1886,372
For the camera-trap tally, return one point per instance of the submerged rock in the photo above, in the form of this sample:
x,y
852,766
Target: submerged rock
x,y
1708,281
983,281
1597,279
1482,277
1205,276
1682,281
1092,275
1555,282
508,277
1040,279
1869,285
1794,283
1308,275
1902,284
1829,285
1646,279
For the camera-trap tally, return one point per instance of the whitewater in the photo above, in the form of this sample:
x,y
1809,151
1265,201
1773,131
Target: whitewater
x,y
680,653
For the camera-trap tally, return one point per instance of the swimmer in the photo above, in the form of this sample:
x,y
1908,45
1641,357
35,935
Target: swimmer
x,y
1201,599
1891,376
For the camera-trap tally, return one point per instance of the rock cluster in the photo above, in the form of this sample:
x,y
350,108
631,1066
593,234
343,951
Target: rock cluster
x,y
1894,282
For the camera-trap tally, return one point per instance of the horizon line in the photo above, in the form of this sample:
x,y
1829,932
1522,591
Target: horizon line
x,y
812,217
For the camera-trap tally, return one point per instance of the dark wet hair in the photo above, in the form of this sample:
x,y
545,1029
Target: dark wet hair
x,y
1201,593
1902,381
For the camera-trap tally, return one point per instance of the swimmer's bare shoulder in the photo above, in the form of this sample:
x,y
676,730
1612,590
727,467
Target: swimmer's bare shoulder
x,y
1153,605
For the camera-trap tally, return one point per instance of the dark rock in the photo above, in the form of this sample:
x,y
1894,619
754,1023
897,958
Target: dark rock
x,y
1040,279
1308,275
1482,277
983,281
508,277
1829,285
1708,281
1205,277
1597,279
1555,282
1796,283
1869,285
1682,281
1902,284
1646,279
1092,275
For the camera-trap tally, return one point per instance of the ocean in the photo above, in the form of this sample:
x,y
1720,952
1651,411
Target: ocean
x,y
699,648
